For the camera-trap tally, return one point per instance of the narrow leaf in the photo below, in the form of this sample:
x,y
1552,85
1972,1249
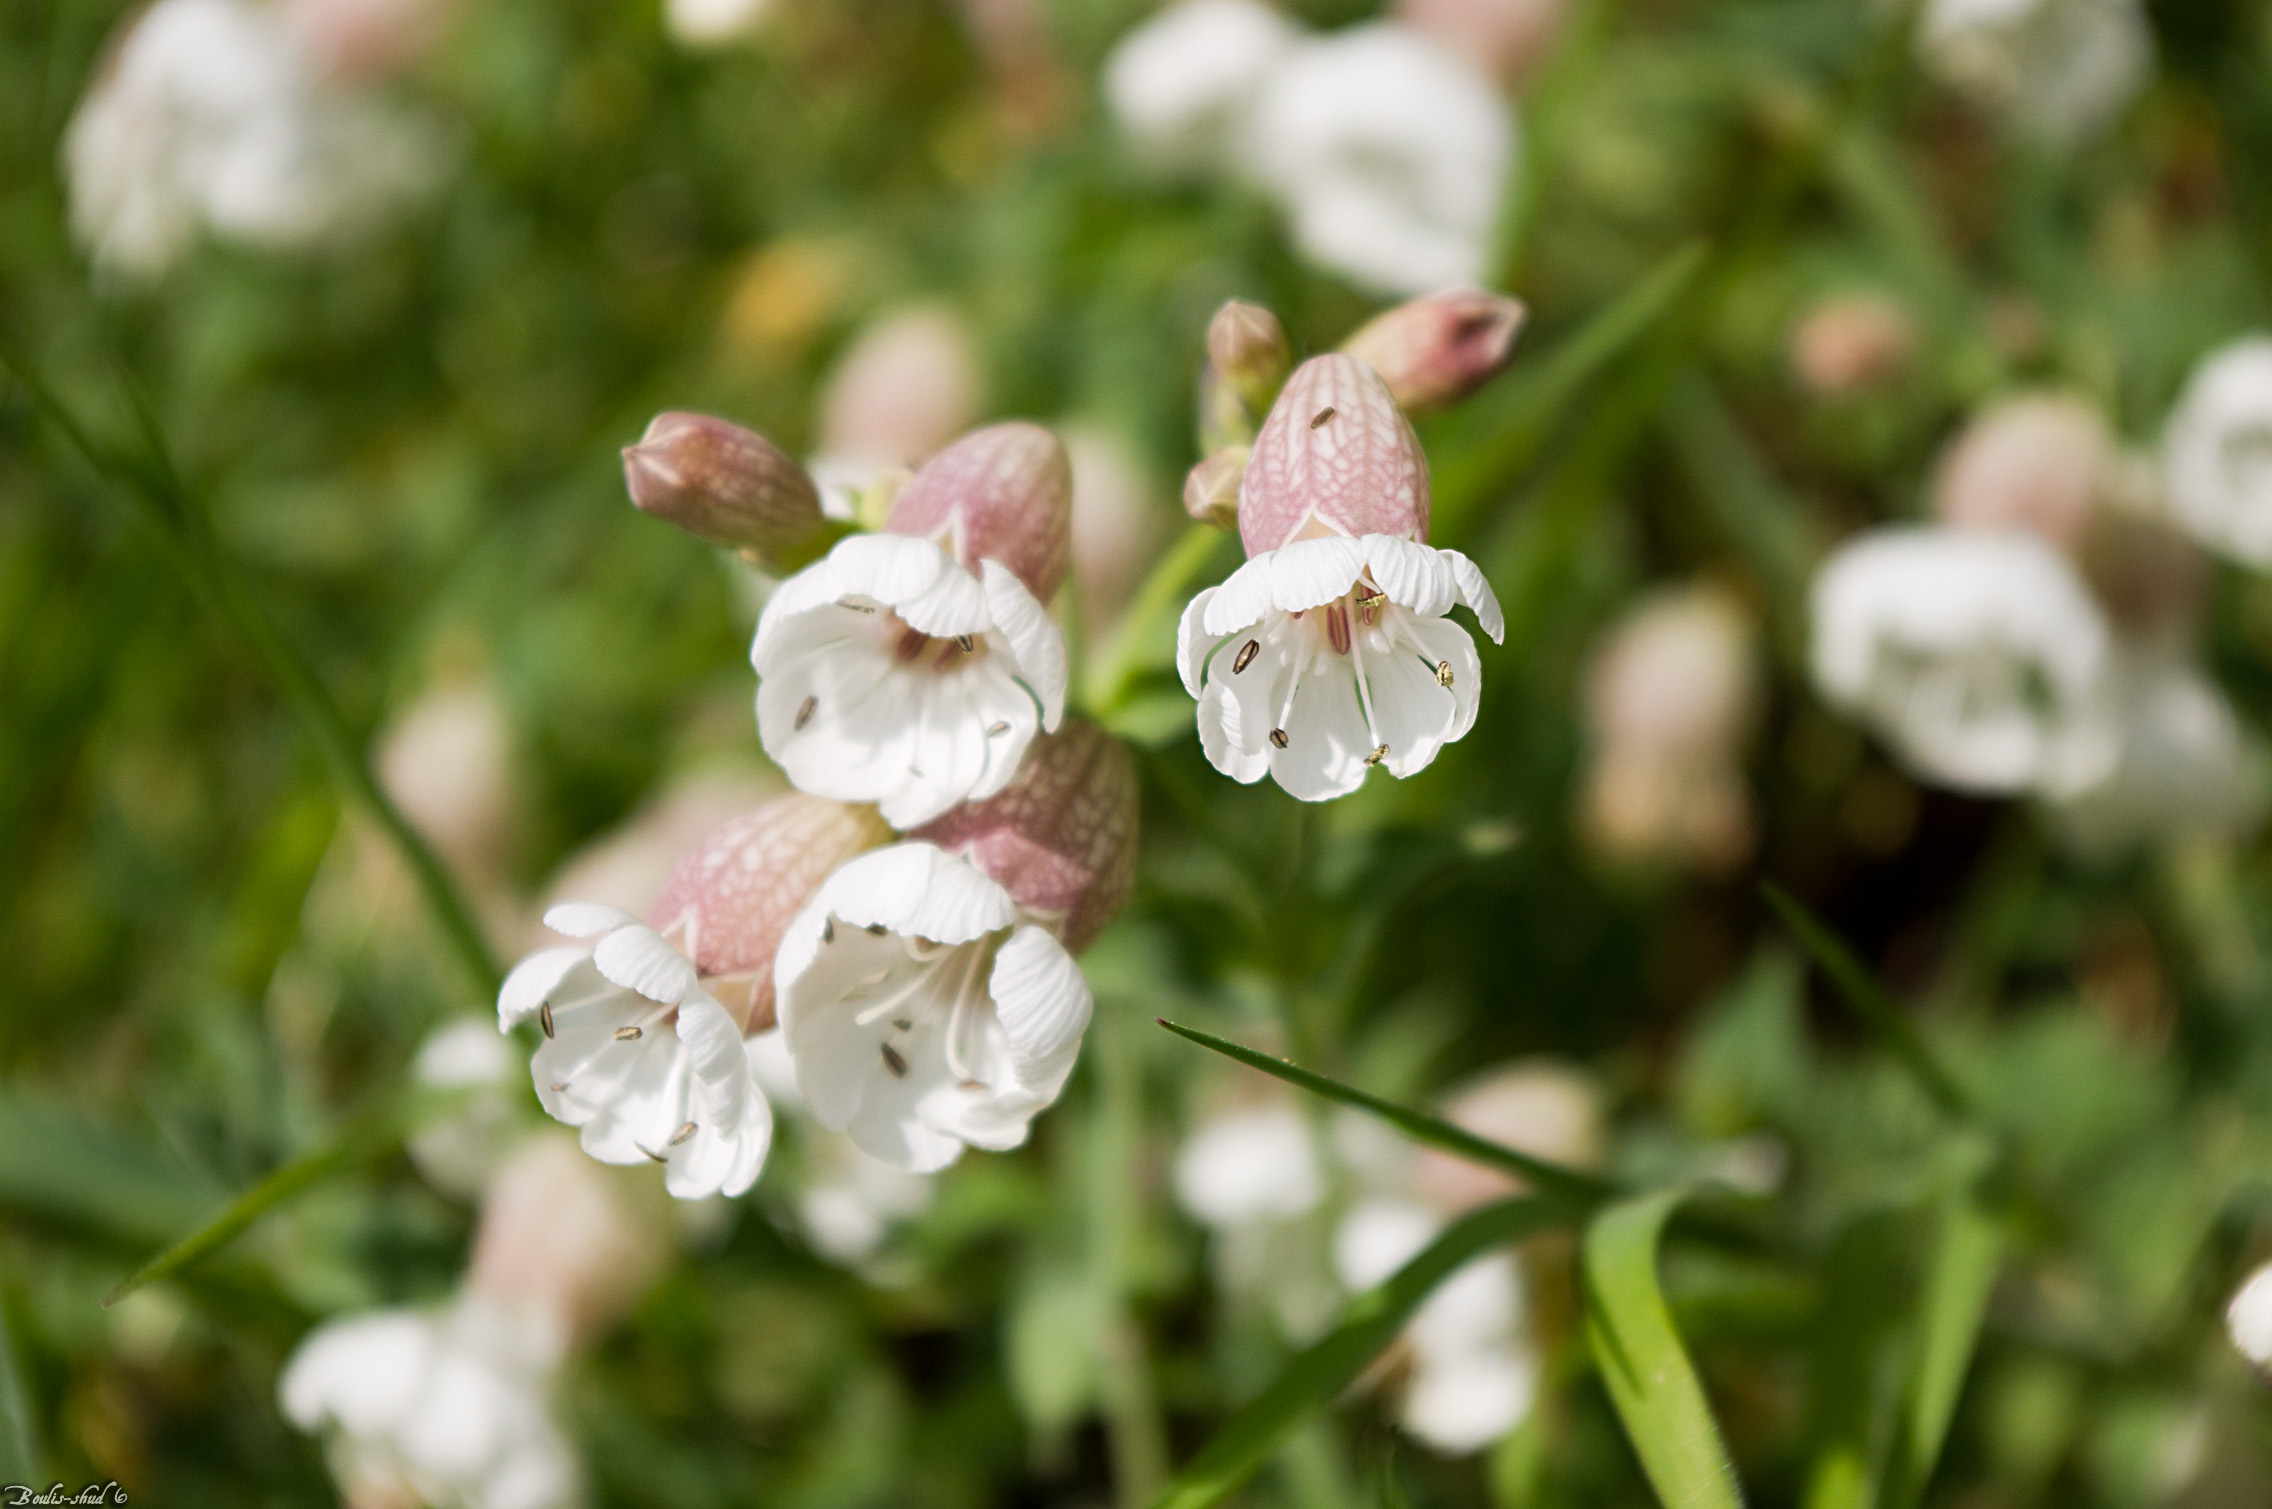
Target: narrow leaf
x,y
1641,1359
1313,1379
1967,1248
21,1460
1550,1178
1869,1000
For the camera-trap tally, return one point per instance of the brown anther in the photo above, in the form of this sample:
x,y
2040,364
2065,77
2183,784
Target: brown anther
x,y
651,1153
828,930
893,1062
628,1034
1443,673
544,1018
1379,754
1247,652
878,929
996,730
866,608
1322,418
902,1024
560,1087
911,645
804,714
965,643
685,1130
1278,737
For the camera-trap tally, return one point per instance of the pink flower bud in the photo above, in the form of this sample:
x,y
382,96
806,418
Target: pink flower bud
x,y
567,1237
2041,463
1336,456
1248,348
727,485
1211,491
1004,493
1850,342
448,764
1539,1106
1506,37
1061,839
731,898
355,40
909,384
1434,351
1119,519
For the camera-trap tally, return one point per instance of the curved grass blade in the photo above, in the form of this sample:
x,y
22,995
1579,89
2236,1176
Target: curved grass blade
x,y
1312,1380
21,1459
1551,1179
1967,1248
1641,1359
1869,1000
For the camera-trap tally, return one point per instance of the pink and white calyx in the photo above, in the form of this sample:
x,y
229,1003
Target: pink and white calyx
x,y
928,994
1329,651
912,667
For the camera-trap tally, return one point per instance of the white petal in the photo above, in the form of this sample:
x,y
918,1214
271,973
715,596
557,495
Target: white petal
x,y
1412,712
1415,576
1467,1403
637,958
586,919
1476,592
813,587
1225,738
1034,641
1040,996
1249,1165
918,890
1444,643
533,979
953,604
1326,737
1242,600
732,1119
1193,644
365,1372
891,568
1308,573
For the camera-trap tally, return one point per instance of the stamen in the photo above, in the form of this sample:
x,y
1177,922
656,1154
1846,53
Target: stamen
x,y
1323,418
911,645
878,929
966,644
685,1130
996,730
1443,673
650,1152
828,930
1286,713
1365,697
628,1034
893,1062
1380,753
1337,628
804,714
1246,656
964,1029
1278,737
544,1018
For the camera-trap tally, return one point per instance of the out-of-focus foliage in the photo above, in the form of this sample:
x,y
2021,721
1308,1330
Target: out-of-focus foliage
x,y
408,444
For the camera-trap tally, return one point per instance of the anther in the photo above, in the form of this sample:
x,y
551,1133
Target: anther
x,y
685,1130
996,730
1324,418
1380,753
902,1024
893,1062
965,643
628,1034
1252,648
650,1152
828,930
804,714
544,1018
1443,673
1278,737
878,929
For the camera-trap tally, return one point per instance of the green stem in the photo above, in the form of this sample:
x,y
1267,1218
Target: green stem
x,y
1163,593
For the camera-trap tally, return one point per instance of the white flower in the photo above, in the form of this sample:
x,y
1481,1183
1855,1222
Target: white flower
x,y
850,1201
1181,84
709,23
638,1055
1977,656
2186,767
1390,152
1327,656
2059,68
1258,1163
2217,452
922,1011
890,674
448,1407
457,1151
2249,1318
212,113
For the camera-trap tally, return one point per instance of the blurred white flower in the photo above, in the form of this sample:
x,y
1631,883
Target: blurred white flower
x,y
638,1055
2058,68
1182,85
2217,452
712,23
1977,656
1391,154
2248,1319
1329,651
457,1151
567,1239
1254,1163
2186,767
447,761
2043,463
445,1408
1541,1106
213,114
850,1202
923,1011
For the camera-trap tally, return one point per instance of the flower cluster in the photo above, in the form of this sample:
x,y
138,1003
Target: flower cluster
x,y
2057,69
1387,146
1330,651
902,928
2038,638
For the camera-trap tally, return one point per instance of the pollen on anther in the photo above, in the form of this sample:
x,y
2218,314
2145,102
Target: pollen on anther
x,y
544,1018
1380,753
628,1034
893,1062
1443,673
1278,737
1252,648
804,714
965,643
996,730
685,1130
1323,418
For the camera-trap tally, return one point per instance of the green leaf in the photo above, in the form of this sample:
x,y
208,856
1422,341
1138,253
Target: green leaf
x,y
1967,1248
1650,1381
58,1165
1552,1179
21,1460
1312,1380
1869,1000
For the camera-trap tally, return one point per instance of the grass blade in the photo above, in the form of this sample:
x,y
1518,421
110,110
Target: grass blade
x,y
1313,1379
1967,1249
1551,1179
1869,1000
21,1460
1641,1359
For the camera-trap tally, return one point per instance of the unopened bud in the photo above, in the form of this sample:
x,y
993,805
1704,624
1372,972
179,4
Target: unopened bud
x,y
567,1236
448,764
1061,838
1539,1106
1850,342
1224,418
728,902
909,384
1336,456
727,485
1119,519
1248,347
2042,463
1434,351
1507,37
1211,490
1004,493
